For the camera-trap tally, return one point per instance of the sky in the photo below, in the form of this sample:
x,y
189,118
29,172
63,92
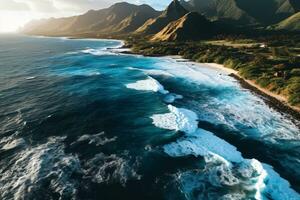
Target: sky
x,y
16,13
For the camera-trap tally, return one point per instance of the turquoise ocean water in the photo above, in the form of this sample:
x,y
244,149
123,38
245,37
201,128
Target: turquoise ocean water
x,y
81,120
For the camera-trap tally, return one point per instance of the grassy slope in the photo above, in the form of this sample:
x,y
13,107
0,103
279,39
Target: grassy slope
x,y
291,24
219,9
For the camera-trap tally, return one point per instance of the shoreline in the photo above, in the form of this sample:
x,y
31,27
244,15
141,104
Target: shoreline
x,y
274,100
251,84
277,101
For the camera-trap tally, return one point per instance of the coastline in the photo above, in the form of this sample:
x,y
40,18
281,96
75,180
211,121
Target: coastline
x,y
251,84
277,101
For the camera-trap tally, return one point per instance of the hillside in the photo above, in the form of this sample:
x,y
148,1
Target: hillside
x,y
173,12
290,24
219,9
119,18
191,26
277,10
265,12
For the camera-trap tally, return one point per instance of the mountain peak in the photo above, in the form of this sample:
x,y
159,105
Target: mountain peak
x,y
173,12
175,7
192,26
121,4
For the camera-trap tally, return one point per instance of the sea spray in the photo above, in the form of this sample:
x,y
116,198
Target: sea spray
x,y
230,168
149,84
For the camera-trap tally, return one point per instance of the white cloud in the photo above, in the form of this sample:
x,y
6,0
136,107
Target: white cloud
x,y
12,5
42,6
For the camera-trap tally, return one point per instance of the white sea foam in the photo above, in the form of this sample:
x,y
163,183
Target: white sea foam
x,y
200,183
43,164
178,119
233,106
30,77
203,143
230,168
112,50
242,110
150,84
120,50
202,75
13,144
98,52
75,71
244,177
110,169
256,169
234,196
97,139
225,165
155,72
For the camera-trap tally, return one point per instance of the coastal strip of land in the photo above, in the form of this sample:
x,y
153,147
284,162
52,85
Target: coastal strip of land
x,y
275,100
259,68
280,102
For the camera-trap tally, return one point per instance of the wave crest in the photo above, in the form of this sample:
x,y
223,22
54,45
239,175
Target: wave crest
x,y
149,84
224,165
179,119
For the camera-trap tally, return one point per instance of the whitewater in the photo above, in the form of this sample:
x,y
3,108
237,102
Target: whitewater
x,y
79,119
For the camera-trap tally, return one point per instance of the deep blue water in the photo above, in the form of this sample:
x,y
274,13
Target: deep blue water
x,y
80,120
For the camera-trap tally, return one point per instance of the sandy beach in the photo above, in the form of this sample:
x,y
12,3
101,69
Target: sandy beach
x,y
252,83
283,100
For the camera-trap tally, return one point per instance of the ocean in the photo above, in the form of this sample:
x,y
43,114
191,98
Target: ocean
x,y
79,119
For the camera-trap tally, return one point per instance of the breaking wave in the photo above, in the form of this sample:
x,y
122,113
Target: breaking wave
x,y
178,119
149,84
224,164
97,52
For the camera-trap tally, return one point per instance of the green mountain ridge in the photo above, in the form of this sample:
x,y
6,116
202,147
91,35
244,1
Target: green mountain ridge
x,y
219,9
265,12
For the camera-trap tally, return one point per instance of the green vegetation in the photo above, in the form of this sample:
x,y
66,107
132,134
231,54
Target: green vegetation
x,y
291,24
241,34
264,12
272,65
